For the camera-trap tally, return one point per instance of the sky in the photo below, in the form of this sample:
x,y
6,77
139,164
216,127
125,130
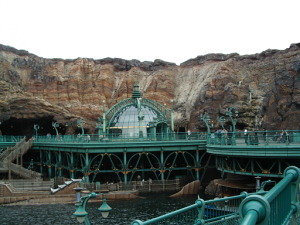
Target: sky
x,y
170,30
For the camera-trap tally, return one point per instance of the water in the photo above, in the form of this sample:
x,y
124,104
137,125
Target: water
x,y
123,211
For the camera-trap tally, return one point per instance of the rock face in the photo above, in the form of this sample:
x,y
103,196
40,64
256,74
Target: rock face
x,y
265,87
192,188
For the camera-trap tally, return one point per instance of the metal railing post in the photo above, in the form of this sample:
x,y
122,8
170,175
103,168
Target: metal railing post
x,y
257,210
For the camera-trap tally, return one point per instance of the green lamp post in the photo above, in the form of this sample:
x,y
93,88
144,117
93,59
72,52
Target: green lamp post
x,y
80,123
55,125
36,127
232,113
221,121
81,213
208,123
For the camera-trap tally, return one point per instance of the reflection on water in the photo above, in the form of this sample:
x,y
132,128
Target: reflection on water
x,y
124,212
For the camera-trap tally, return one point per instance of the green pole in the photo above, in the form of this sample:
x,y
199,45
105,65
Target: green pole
x,y
60,164
125,165
41,161
86,176
162,164
72,163
172,121
104,123
198,163
49,166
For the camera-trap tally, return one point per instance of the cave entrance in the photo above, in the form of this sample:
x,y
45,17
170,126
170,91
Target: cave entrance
x,y
25,127
181,130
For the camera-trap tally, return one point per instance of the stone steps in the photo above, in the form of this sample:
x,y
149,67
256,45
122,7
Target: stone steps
x,y
31,185
8,156
34,199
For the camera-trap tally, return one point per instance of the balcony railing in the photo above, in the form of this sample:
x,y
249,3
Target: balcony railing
x,y
276,137
94,138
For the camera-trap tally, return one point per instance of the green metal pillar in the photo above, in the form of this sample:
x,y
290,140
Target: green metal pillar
x,y
86,174
59,164
72,164
41,162
104,124
49,165
125,169
172,121
197,163
140,117
162,171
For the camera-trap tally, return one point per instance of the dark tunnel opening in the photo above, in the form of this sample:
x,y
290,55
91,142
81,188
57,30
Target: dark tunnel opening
x,y
25,127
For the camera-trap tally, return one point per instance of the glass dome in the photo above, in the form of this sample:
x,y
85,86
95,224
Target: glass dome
x,y
126,122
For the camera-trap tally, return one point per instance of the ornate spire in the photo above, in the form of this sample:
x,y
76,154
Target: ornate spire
x,y
136,92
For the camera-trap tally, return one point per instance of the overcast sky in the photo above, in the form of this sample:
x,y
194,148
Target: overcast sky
x,y
171,30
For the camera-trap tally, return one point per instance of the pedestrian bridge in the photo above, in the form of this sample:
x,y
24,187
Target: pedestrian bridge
x,y
160,156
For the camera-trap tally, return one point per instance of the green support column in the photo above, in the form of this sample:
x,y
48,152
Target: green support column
x,y
41,161
153,132
125,165
197,163
49,166
140,117
172,121
60,164
104,124
86,175
162,163
104,119
72,163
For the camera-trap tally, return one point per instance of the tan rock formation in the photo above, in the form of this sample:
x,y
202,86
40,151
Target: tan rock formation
x,y
264,87
192,188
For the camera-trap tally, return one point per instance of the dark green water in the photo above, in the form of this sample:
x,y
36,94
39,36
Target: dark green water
x,y
123,212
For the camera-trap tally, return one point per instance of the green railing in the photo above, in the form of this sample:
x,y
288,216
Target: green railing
x,y
276,137
280,205
93,138
250,138
203,212
10,139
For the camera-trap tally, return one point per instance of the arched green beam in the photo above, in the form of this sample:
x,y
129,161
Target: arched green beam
x,y
166,159
135,168
109,156
117,107
147,157
251,166
70,160
115,169
170,169
84,167
201,159
160,109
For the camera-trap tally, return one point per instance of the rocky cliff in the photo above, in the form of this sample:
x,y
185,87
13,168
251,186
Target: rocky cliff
x,y
264,88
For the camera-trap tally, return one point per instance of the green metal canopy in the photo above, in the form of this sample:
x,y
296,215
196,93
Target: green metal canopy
x,y
138,117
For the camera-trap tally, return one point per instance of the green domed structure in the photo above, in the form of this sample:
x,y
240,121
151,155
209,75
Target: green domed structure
x,y
137,117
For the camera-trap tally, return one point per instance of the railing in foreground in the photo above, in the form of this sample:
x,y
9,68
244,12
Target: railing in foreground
x,y
280,205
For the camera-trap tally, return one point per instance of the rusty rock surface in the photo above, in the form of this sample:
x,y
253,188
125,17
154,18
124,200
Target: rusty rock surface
x,y
265,87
